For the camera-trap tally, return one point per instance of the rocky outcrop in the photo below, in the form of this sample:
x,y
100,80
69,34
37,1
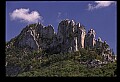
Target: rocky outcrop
x,y
90,39
71,36
81,32
36,36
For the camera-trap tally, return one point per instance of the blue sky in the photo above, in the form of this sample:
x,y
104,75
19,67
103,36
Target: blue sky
x,y
101,16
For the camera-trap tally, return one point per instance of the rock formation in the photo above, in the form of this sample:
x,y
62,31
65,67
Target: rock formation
x,y
81,32
71,36
90,39
45,44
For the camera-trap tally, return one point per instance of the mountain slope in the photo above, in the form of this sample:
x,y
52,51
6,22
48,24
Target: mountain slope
x,y
39,51
70,68
68,64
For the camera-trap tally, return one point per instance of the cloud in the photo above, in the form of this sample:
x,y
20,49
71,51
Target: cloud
x,y
100,4
59,14
25,15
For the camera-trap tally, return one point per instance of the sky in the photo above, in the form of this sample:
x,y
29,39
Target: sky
x,y
98,15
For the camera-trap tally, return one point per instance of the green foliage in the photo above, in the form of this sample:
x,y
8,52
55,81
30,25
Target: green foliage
x,y
40,63
69,68
32,25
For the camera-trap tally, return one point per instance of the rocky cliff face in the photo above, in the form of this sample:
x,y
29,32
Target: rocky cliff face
x,y
35,36
71,36
90,38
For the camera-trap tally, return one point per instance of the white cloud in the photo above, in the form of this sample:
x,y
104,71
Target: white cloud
x,y
25,15
59,14
100,4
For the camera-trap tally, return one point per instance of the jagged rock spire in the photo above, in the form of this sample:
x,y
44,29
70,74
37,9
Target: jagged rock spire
x,y
78,25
